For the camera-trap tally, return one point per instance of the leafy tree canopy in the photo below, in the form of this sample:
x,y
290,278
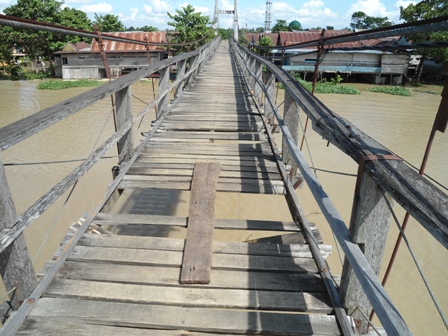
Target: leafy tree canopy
x,y
109,23
225,33
279,26
143,29
361,20
42,43
190,26
428,9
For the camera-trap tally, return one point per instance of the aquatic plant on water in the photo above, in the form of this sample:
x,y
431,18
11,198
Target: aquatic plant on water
x,y
393,90
60,84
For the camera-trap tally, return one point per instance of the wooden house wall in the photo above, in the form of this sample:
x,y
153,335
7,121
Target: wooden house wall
x,y
353,63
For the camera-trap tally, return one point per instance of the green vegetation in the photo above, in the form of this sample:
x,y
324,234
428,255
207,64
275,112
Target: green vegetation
x,y
324,86
59,84
393,90
427,9
361,20
109,23
190,26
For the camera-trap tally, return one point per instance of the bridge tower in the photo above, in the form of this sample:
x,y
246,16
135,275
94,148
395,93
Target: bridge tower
x,y
268,20
227,11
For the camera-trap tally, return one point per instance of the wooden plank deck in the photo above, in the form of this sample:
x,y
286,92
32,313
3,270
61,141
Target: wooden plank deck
x,y
129,283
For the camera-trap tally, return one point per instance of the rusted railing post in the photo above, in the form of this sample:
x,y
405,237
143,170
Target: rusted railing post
x,y
16,267
270,88
164,81
369,226
291,120
123,100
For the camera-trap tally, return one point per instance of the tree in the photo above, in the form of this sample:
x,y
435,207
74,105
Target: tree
x,y
35,43
225,33
279,26
190,26
109,23
361,20
265,41
147,29
427,9
330,28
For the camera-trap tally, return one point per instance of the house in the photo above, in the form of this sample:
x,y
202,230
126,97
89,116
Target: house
x,y
374,65
83,62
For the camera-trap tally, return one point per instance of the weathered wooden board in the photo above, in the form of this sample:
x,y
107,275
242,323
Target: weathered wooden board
x,y
264,188
156,152
171,244
229,224
189,166
193,319
188,296
169,276
192,160
189,172
42,326
176,178
174,259
211,135
255,157
197,260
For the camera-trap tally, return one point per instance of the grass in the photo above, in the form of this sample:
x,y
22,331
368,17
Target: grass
x,y
60,84
393,90
329,87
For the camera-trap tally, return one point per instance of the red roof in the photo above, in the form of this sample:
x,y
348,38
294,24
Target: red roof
x,y
290,38
113,46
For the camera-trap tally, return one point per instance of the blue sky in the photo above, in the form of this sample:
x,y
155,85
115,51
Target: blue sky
x,y
310,13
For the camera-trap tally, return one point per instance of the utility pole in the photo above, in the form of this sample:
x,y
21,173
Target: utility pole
x,y
235,21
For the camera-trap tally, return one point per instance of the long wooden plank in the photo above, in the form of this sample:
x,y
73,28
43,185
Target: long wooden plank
x,y
193,160
211,135
189,172
42,326
264,188
176,178
193,319
169,276
211,152
255,157
229,224
197,260
189,166
188,296
171,244
174,259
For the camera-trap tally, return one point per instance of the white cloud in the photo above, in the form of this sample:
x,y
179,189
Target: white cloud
x,y
134,13
101,8
158,6
4,2
404,4
370,7
68,2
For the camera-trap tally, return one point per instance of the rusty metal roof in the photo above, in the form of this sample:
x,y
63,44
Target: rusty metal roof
x,y
113,46
290,38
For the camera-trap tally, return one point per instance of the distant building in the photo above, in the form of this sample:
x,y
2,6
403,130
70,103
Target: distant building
x,y
378,66
81,61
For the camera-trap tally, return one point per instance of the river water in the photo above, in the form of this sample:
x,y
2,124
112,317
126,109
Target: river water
x,y
402,124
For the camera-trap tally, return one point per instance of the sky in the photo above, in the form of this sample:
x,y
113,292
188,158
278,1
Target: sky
x,y
251,14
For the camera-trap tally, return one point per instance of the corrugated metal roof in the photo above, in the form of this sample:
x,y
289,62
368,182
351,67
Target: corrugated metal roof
x,y
113,46
290,38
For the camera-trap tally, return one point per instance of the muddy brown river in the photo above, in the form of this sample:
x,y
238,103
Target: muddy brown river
x,y
402,124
